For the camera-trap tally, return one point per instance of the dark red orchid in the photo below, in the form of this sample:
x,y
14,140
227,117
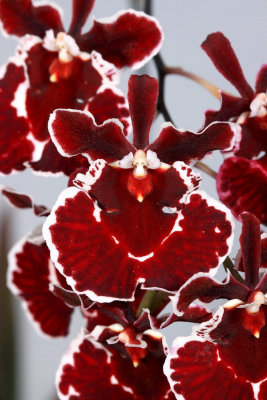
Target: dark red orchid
x,y
242,178
54,68
229,350
134,219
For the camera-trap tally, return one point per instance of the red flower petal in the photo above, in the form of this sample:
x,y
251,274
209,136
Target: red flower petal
x,y
72,92
120,249
29,276
93,370
253,138
241,185
261,80
53,163
76,132
80,11
231,107
142,95
202,287
16,147
172,144
250,242
220,51
110,103
263,391
20,17
21,200
196,369
129,38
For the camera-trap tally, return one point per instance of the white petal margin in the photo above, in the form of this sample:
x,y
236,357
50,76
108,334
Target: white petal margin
x,y
107,70
13,267
175,299
114,18
90,116
70,193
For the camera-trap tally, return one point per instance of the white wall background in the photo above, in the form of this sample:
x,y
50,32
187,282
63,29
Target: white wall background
x,y
186,24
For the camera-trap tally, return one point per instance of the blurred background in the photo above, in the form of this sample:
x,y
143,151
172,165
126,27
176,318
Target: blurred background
x,y
185,24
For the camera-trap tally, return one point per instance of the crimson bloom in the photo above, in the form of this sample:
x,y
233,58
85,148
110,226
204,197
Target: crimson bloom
x,y
242,178
54,68
227,352
132,218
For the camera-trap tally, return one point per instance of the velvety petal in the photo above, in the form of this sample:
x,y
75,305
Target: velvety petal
x,y
205,288
239,348
21,200
261,80
231,107
241,185
253,138
119,251
75,132
30,273
45,96
250,242
15,144
20,17
94,370
80,11
109,102
172,144
129,38
53,163
220,51
142,95
202,230
196,369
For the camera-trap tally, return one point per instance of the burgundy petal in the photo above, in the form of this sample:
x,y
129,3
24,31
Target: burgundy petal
x,y
110,103
203,286
261,80
250,242
29,276
21,200
238,348
16,147
75,132
53,163
203,230
196,369
173,144
94,370
142,95
80,11
231,107
119,249
253,139
220,51
263,391
241,185
20,17
129,38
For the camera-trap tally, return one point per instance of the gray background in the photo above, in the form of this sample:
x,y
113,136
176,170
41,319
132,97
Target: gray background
x,y
185,24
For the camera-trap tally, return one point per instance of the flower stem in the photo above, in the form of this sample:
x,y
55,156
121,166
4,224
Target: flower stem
x,y
152,299
228,265
214,90
205,168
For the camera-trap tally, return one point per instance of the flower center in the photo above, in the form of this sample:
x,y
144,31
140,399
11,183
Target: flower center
x,y
67,49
